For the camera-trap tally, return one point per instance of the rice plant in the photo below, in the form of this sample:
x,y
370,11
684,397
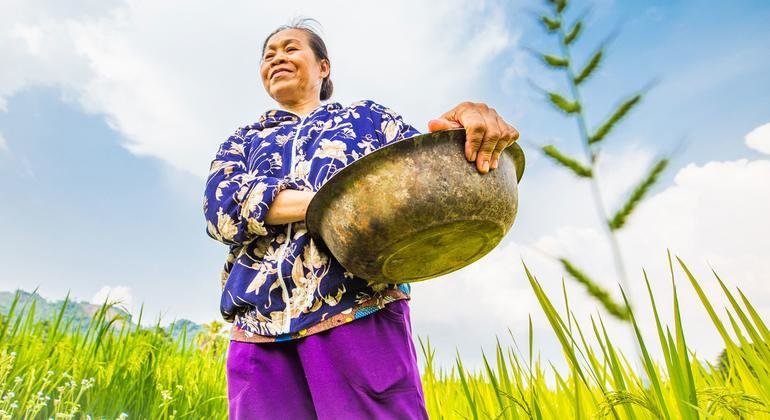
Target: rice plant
x,y
601,382
109,369
113,369
567,33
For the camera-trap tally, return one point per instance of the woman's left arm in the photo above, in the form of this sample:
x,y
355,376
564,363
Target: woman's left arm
x,y
486,133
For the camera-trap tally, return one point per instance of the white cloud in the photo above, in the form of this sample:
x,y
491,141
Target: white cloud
x,y
176,87
759,139
3,143
120,295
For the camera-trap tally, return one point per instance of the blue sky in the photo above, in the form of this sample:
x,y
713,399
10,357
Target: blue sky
x,y
110,120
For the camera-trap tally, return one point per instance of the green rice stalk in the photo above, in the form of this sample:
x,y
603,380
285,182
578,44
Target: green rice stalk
x,y
619,220
471,401
9,315
616,367
649,366
617,310
760,343
590,67
573,33
687,388
494,382
557,324
554,61
576,167
758,322
616,116
568,107
658,323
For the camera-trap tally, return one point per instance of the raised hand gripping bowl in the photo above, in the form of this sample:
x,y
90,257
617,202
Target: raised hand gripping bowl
x,y
415,209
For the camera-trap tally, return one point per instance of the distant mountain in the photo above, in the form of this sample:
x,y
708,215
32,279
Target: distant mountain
x,y
80,312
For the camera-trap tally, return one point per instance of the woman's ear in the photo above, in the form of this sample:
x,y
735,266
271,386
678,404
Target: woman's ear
x,y
325,68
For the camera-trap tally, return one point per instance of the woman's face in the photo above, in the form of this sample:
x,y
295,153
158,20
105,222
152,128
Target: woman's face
x,y
289,69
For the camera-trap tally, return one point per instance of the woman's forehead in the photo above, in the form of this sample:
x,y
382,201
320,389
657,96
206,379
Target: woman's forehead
x,y
286,36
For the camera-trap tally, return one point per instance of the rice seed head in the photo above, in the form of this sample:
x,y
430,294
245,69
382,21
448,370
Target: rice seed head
x,y
550,24
576,167
589,68
568,107
553,61
558,5
619,220
616,116
573,33
617,310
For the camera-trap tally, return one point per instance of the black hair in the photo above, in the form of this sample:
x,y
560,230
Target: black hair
x,y
316,44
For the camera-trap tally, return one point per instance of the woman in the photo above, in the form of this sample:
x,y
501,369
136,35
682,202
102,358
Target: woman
x,y
310,340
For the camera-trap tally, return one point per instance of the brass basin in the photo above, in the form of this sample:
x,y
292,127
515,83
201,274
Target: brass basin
x,y
415,209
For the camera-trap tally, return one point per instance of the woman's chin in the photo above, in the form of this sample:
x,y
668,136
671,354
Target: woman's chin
x,y
285,93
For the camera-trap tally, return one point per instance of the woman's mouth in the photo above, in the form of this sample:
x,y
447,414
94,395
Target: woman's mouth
x,y
278,73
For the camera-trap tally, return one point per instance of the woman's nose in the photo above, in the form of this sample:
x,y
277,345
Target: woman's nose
x,y
279,57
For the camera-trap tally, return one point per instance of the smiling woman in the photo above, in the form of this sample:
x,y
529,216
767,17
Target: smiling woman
x,y
309,339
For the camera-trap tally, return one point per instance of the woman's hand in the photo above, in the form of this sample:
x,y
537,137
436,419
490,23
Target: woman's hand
x,y
486,134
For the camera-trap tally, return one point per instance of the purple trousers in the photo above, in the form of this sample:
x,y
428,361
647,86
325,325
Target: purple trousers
x,y
365,369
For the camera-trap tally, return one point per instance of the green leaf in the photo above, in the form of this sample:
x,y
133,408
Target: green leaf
x,y
661,406
573,33
589,68
562,103
569,163
550,24
616,116
466,388
558,326
554,61
619,220
616,309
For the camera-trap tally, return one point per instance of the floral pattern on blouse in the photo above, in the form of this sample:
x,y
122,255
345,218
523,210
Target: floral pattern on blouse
x,y
276,283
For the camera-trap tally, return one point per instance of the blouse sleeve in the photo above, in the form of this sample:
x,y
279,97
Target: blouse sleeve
x,y
390,126
236,201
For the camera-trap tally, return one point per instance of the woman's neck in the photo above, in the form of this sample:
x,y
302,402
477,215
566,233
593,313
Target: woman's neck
x,y
302,108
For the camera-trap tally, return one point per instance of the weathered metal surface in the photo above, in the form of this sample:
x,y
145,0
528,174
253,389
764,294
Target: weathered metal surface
x,y
415,209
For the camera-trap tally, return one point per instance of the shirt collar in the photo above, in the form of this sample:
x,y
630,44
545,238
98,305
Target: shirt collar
x,y
280,115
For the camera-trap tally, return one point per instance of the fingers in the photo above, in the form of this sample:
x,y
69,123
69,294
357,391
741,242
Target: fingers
x,y
442,124
508,137
475,131
486,133
492,137
504,141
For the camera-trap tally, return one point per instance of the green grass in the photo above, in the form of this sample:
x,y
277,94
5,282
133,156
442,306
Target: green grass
x,y
52,368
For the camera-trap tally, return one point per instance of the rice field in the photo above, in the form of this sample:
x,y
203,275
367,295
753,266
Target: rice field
x,y
55,368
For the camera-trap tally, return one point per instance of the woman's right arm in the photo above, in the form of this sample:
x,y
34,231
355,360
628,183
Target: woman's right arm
x,y
237,201
289,206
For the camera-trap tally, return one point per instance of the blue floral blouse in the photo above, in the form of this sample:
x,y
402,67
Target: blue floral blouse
x,y
276,284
